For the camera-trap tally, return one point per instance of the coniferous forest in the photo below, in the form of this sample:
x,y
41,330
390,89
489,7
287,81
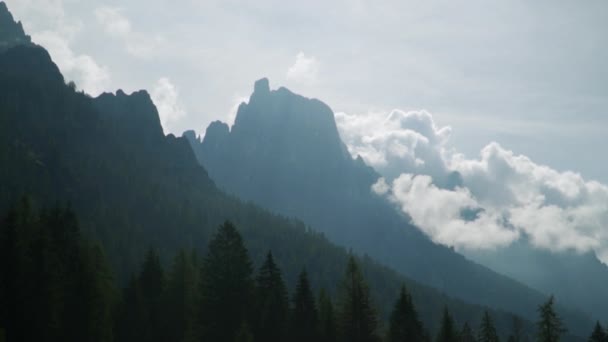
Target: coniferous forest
x,y
57,286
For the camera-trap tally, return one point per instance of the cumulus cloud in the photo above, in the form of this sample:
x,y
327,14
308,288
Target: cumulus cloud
x,y
116,23
304,70
451,217
487,202
166,98
400,142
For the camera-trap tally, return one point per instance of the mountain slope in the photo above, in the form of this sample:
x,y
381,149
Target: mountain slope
x,y
578,280
132,187
284,152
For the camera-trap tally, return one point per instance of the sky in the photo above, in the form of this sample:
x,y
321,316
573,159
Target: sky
x,y
513,95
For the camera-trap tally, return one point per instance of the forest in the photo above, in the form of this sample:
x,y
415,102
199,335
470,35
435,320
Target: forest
x,y
57,286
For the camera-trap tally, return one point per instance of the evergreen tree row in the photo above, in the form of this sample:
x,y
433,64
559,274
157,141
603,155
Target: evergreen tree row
x,y
56,286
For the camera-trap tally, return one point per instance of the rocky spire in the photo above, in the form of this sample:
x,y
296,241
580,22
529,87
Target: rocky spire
x,y
11,32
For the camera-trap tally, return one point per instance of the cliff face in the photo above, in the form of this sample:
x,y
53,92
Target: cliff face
x,y
11,32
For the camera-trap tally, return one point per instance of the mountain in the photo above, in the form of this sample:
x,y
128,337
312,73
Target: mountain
x,y
133,188
284,152
11,32
578,280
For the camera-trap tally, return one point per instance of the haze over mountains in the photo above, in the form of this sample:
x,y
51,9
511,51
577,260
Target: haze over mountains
x,y
133,187
283,144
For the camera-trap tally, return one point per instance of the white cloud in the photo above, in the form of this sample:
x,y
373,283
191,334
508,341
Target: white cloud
x,y
487,202
115,23
399,142
166,98
441,214
304,70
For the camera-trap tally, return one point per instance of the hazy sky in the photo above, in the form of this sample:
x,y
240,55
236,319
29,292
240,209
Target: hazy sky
x,y
531,75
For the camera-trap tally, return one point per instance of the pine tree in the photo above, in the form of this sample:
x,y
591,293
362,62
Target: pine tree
x,y
357,319
182,298
327,320
226,286
404,322
272,306
54,285
131,316
447,331
152,284
304,317
550,326
96,295
487,331
599,334
466,335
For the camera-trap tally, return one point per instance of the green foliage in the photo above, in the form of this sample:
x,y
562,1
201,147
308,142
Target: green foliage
x,y
272,304
304,317
226,286
182,298
327,319
550,326
55,285
598,334
357,320
447,331
487,331
404,324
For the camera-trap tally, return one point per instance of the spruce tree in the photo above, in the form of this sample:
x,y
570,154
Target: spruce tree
x,y
96,297
598,334
55,286
131,315
466,335
550,326
404,322
272,306
327,320
182,298
226,286
487,331
447,330
357,320
304,317
152,285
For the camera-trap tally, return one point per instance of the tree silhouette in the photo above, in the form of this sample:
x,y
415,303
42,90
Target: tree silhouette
x,y
550,326
404,322
357,318
226,286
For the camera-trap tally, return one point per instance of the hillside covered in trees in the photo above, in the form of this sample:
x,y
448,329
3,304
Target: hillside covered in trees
x,y
57,286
